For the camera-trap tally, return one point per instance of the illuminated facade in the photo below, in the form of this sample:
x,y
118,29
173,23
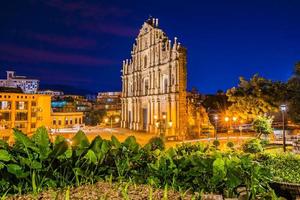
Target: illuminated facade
x,y
27,112
154,83
23,111
29,86
66,119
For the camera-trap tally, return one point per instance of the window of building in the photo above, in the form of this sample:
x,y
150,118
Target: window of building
x,y
33,125
76,120
173,79
146,88
20,125
79,120
33,114
145,61
5,116
33,103
67,122
22,105
21,116
5,105
54,122
165,85
59,122
71,121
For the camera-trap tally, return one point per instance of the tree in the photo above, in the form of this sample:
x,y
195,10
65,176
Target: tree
x,y
293,88
262,125
94,117
255,97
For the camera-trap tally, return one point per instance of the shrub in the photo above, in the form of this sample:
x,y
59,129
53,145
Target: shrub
x,y
262,125
230,145
216,143
156,143
252,146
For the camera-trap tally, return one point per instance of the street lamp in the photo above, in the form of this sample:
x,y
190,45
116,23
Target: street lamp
x,y
283,109
111,121
216,126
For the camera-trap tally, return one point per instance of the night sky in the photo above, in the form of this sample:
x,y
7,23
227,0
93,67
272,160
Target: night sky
x,y
83,43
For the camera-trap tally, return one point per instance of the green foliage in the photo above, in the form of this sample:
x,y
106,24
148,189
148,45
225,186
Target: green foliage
x,y
253,146
262,125
283,166
293,95
94,117
216,143
255,97
34,164
230,145
156,143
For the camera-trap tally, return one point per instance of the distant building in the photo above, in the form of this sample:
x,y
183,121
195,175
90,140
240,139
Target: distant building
x,y
29,86
23,111
52,93
109,101
27,112
61,120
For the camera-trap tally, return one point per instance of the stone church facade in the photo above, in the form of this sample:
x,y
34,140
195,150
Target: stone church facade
x,y
154,83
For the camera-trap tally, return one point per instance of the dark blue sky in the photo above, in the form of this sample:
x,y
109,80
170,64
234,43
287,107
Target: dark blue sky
x,y
83,43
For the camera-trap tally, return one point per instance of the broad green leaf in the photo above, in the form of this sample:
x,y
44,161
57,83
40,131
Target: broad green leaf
x,y
41,139
115,142
91,157
4,155
105,146
2,165
3,144
15,169
131,143
36,165
23,140
219,169
59,149
96,144
59,139
80,140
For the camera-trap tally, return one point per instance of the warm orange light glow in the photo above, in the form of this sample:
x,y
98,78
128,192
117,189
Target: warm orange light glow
x,y
106,120
234,119
117,120
226,119
157,124
170,124
164,116
155,116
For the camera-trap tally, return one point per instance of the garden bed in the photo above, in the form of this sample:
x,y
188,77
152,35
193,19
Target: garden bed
x,y
105,190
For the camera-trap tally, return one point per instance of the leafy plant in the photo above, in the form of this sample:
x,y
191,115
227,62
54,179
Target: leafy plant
x,y
252,146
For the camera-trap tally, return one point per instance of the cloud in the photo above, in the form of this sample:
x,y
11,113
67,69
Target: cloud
x,y
64,41
85,9
93,17
10,52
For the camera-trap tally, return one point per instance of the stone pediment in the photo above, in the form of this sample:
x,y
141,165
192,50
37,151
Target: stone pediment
x,y
145,29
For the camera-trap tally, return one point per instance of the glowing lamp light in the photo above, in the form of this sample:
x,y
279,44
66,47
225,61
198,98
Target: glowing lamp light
x,y
216,117
164,116
157,124
234,119
226,119
106,120
155,117
117,120
283,108
170,124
